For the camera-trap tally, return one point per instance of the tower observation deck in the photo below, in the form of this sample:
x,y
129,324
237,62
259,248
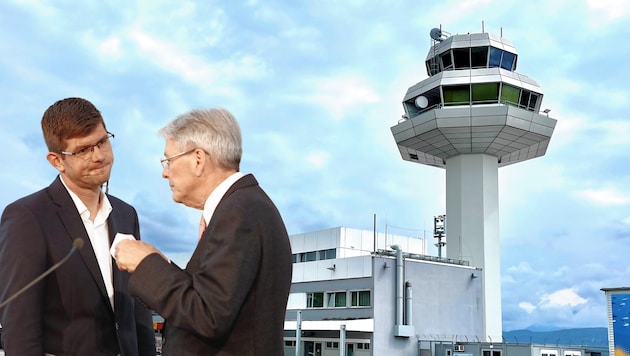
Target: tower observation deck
x,y
472,115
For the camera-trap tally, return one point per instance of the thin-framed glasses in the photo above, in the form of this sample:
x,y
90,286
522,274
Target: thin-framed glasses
x,y
165,161
86,152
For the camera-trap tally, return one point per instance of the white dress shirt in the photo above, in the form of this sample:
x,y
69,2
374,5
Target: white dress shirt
x,y
98,233
217,194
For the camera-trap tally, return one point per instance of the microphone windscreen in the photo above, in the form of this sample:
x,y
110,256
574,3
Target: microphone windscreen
x,y
77,243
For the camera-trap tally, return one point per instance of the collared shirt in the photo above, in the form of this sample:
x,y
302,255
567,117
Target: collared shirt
x,y
217,194
98,233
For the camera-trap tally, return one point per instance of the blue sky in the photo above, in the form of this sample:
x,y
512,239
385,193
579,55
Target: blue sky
x,y
316,86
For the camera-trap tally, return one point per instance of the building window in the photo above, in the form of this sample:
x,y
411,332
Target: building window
x,y
360,298
507,62
309,256
363,346
462,58
491,352
456,94
446,61
289,343
510,95
336,300
485,93
503,59
332,345
329,254
479,57
315,300
544,352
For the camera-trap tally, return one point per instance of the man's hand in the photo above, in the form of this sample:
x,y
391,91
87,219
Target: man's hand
x,y
129,254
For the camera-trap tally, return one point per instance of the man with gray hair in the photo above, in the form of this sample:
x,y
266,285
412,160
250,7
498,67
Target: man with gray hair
x,y
231,298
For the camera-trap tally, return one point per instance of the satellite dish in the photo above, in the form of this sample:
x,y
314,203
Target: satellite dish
x,y
436,34
422,102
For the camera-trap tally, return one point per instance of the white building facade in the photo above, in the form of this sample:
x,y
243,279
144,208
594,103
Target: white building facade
x,y
377,294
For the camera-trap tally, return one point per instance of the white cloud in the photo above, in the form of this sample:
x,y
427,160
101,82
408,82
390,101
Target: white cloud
x,y
110,47
341,94
522,267
196,69
611,9
317,159
608,196
561,298
528,307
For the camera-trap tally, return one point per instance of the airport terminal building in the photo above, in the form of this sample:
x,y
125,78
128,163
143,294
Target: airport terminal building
x,y
378,294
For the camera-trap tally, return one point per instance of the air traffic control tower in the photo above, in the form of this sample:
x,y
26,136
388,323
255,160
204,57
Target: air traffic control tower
x,y
473,115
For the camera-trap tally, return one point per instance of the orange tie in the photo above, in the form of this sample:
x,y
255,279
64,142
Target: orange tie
x,y
202,226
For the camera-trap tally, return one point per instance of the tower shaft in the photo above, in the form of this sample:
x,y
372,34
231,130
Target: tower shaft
x,y
472,210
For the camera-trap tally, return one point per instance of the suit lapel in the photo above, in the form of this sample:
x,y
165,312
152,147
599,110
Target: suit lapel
x,y
71,219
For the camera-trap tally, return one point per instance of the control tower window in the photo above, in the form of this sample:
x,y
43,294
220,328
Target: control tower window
x,y
479,57
485,93
462,58
528,100
507,62
495,57
503,59
433,67
446,61
533,101
423,102
510,95
456,95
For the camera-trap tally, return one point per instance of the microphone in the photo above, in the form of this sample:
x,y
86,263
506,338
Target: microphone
x,y
76,245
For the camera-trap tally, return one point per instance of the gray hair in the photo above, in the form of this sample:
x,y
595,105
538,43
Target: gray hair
x,y
216,131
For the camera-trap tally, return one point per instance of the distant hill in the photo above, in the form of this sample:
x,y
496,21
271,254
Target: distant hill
x,y
595,337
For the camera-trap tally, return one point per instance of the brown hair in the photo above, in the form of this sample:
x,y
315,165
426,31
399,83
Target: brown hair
x,y
69,118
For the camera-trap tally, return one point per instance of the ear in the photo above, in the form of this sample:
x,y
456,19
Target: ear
x,y
55,160
200,161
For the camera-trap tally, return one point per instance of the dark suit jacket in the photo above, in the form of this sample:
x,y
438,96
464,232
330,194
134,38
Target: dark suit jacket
x,y
231,298
69,312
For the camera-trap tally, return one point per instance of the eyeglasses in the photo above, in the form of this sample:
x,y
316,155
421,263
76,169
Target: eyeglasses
x,y
86,152
165,161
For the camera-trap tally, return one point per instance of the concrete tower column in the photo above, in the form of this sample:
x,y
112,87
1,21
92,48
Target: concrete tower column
x,y
472,226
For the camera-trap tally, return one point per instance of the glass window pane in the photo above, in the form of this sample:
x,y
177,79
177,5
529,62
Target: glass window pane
x,y
495,57
330,300
340,300
479,57
310,256
432,66
509,95
331,254
318,300
462,58
484,93
447,62
524,98
508,61
456,95
364,298
532,101
354,296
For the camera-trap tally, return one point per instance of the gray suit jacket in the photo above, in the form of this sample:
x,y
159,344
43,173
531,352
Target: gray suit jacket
x,y
69,312
231,298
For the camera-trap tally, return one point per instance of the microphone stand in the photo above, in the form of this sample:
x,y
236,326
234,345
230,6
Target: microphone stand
x,y
76,244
